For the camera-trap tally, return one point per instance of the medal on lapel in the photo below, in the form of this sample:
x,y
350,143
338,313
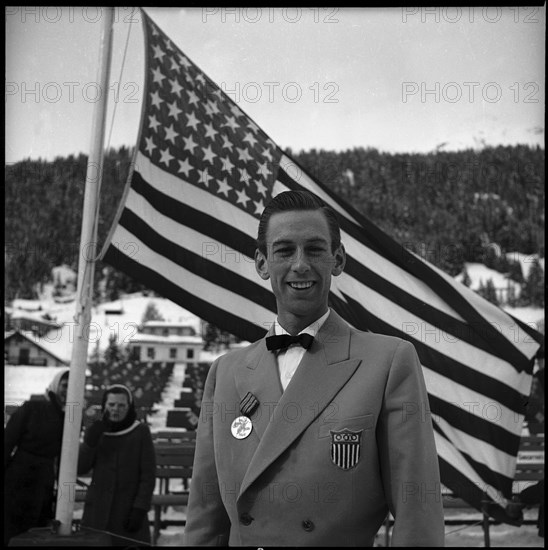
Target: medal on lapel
x,y
241,427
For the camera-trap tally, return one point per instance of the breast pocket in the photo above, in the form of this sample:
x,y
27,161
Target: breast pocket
x,y
355,423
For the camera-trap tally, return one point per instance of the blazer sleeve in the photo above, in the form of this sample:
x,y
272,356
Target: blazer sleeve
x,y
147,470
408,457
207,521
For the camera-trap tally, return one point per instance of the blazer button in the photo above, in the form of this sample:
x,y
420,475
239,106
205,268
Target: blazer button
x,y
308,525
246,519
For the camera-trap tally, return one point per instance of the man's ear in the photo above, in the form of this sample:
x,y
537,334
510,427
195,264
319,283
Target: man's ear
x,y
340,260
261,265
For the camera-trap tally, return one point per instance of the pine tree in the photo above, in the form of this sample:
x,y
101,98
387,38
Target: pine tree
x,y
488,291
212,336
151,313
532,292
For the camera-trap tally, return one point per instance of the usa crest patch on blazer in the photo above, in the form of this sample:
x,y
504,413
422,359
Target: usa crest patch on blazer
x,y
345,448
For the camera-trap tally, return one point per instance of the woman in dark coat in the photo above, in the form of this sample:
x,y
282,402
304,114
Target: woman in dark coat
x,y
120,451
32,444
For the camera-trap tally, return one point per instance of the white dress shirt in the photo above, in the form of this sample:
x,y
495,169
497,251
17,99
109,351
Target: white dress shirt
x,y
290,358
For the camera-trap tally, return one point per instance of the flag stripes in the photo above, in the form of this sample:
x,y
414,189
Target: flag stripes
x,y
191,300
203,172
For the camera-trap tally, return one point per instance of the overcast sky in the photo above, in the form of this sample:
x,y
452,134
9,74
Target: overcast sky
x,y
398,79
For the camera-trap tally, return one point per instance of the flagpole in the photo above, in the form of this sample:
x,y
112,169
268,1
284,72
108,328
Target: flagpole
x,y
86,264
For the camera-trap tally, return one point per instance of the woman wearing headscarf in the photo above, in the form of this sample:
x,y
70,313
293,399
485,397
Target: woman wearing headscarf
x,y
120,451
32,444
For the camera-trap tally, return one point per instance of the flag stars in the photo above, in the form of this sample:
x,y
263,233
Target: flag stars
x,y
156,100
243,154
171,134
231,123
244,176
190,145
227,144
263,170
261,189
175,87
185,166
250,139
227,165
153,122
158,76
192,98
242,198
224,188
166,158
267,154
149,146
204,177
210,131
211,108
158,52
193,121
236,111
175,65
184,61
259,206
174,110
252,126
209,155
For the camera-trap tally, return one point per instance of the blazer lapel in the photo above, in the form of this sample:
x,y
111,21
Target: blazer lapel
x,y
260,377
324,370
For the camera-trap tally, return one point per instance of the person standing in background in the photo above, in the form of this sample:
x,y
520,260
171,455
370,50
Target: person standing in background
x,y
32,445
119,450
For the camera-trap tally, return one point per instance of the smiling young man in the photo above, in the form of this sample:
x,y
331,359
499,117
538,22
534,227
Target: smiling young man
x,y
309,436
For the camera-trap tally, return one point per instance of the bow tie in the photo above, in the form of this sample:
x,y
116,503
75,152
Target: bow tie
x,y
285,340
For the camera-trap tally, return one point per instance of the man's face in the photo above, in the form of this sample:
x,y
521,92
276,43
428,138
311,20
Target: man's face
x,y
300,263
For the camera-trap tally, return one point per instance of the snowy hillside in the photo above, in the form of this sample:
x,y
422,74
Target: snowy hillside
x,y
121,318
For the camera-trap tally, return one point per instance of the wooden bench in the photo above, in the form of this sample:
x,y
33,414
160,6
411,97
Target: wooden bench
x,y
181,418
174,460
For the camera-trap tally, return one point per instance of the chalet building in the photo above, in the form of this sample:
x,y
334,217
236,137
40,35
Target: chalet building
x,y
166,341
27,348
167,328
39,325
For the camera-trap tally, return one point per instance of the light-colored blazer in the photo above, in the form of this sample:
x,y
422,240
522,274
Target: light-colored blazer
x,y
349,439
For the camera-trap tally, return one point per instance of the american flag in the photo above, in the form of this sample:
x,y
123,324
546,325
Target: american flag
x,y
202,173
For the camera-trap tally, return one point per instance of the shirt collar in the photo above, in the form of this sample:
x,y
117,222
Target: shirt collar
x,y
312,328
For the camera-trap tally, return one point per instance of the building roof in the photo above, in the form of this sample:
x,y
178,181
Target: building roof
x,y
44,343
172,339
167,324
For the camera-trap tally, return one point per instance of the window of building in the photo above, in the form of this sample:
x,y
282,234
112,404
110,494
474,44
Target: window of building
x,y
173,353
151,353
136,353
190,354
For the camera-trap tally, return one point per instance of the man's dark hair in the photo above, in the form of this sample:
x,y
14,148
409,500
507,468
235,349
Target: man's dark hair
x,y
298,200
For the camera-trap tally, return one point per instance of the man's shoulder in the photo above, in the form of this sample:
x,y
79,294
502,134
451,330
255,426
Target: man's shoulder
x,y
241,353
361,337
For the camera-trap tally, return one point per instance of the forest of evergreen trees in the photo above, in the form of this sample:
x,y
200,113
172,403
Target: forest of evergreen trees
x,y
450,207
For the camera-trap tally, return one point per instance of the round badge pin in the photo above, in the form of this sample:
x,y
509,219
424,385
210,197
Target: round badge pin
x,y
241,427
